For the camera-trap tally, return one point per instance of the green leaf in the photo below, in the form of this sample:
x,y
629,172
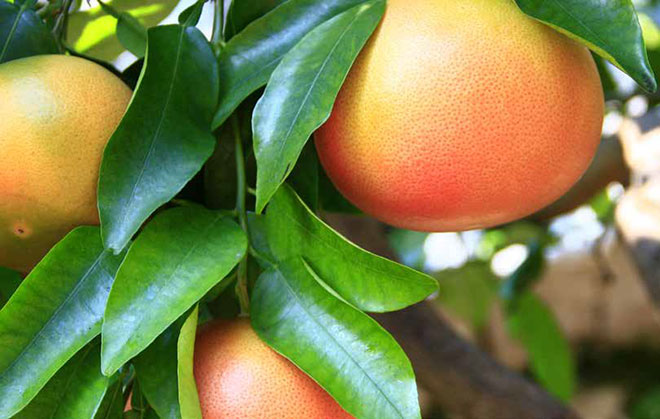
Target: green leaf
x,y
241,13
409,247
249,58
188,398
527,274
165,136
341,348
9,282
54,313
469,292
367,281
22,33
76,391
609,27
177,259
93,32
190,16
302,90
551,361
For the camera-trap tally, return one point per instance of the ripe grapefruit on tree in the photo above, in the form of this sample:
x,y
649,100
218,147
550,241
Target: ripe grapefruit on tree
x,y
239,376
57,114
462,114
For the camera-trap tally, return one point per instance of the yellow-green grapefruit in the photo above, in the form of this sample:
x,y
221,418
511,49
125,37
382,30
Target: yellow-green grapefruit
x,y
57,114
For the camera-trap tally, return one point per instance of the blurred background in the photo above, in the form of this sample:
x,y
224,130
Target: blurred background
x,y
570,296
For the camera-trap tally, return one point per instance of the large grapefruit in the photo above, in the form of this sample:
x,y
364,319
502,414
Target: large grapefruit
x,y
239,376
462,114
57,114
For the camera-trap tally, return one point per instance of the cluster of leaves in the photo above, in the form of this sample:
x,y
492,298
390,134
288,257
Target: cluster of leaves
x,y
114,309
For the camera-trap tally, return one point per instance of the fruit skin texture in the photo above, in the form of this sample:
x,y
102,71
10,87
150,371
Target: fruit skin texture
x,y
239,376
57,114
462,114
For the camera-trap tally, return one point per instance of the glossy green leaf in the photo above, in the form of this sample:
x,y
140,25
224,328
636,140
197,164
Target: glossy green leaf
x,y
369,282
551,361
22,33
54,313
9,282
341,348
188,398
76,391
609,27
249,58
302,90
165,136
177,259
92,32
243,12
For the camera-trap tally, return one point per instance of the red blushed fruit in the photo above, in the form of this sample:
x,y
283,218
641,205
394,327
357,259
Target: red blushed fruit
x,y
239,376
462,114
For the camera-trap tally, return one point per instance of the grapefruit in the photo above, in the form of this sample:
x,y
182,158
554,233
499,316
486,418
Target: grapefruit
x,y
462,114
239,376
57,114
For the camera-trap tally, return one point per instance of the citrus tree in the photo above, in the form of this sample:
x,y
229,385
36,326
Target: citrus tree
x,y
186,189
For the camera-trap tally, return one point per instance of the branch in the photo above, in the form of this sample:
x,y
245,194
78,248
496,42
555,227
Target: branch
x,y
462,378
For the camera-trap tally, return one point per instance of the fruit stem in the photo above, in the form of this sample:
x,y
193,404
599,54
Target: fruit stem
x,y
59,29
241,186
218,34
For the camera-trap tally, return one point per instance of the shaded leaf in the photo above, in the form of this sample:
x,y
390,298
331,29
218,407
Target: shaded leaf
x,y
551,361
527,274
93,32
341,348
54,313
188,398
609,27
190,16
305,177
409,247
249,58
76,391
369,282
469,292
9,282
164,138
156,371
243,12
22,33
302,90
164,370
130,32
112,405
177,259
